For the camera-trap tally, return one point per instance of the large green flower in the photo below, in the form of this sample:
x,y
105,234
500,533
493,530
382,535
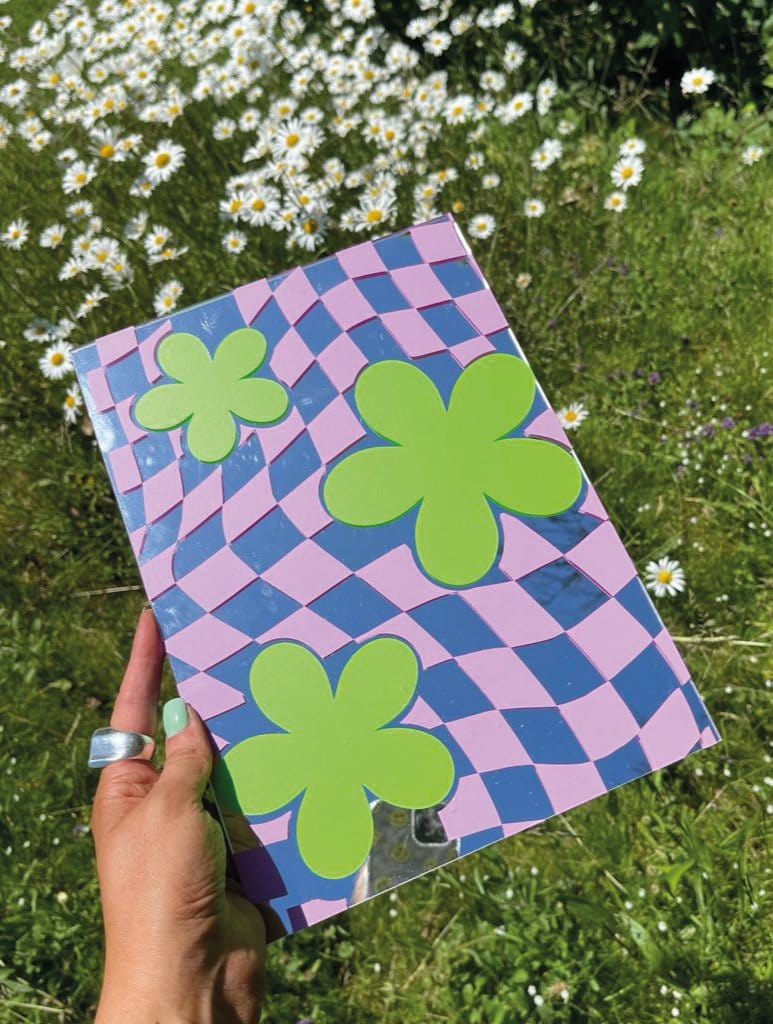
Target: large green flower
x,y
333,746
211,391
453,461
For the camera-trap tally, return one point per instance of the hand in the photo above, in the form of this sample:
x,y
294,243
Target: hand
x,y
182,944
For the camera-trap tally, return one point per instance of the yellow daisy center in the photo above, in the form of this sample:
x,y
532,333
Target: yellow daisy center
x,y
57,358
627,172
310,226
292,139
665,576
80,177
107,151
571,414
457,206
697,80
69,400
162,159
258,204
373,216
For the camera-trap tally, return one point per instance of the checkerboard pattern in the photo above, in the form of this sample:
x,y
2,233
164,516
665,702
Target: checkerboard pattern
x,y
552,680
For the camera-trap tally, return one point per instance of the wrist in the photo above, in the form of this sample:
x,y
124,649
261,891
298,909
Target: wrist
x,y
139,997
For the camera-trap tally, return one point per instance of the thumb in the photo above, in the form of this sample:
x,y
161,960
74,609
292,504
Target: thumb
x,y
188,761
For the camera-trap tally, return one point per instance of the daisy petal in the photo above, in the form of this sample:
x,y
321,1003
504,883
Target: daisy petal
x,y
239,353
456,537
183,356
261,774
533,477
211,434
290,685
408,768
493,394
163,407
397,400
257,400
334,828
373,486
376,683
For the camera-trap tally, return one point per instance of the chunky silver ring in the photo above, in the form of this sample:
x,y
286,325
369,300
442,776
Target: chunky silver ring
x,y
108,745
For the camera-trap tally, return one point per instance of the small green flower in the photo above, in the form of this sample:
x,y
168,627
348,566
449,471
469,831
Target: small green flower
x,y
333,746
452,461
211,391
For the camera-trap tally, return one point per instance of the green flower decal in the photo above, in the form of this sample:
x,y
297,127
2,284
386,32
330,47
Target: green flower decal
x,y
211,391
453,461
333,746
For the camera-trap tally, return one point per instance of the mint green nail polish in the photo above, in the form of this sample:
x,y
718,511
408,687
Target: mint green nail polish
x,y
175,716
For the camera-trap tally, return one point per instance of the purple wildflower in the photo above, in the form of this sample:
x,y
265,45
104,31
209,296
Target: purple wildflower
x,y
654,378
728,422
763,430
708,431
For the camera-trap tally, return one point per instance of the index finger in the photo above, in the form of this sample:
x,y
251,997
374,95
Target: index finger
x,y
136,706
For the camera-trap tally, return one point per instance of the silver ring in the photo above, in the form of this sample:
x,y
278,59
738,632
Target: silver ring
x,y
109,745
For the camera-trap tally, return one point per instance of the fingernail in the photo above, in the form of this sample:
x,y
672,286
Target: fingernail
x,y
175,716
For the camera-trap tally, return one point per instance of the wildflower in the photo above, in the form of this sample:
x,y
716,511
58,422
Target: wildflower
x,y
52,236
572,416
565,127
751,155
77,176
523,280
632,147
166,298
482,226
16,234
546,154
665,576
519,105
697,80
616,201
627,172
56,361
162,162
234,241
72,405
545,92
533,207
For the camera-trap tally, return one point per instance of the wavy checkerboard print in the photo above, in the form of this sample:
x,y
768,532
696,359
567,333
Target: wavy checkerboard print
x,y
551,681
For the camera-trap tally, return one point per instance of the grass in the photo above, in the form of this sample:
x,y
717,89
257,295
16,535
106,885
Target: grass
x,y
657,896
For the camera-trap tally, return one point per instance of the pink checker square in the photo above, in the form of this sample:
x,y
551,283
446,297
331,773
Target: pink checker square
x,y
523,549
361,259
483,311
488,741
209,696
137,538
335,429
420,285
412,332
97,387
275,830
671,733
347,305
217,579
249,504
505,679
670,652
162,492
421,714
610,637
202,502
130,428
396,577
603,559
147,349
342,361
275,439
548,427
600,720
205,642
320,910
157,574
251,298
437,241
291,358
303,506
308,628
115,346
592,505
430,652
465,351
295,295
470,809
306,572
513,614
568,785
124,467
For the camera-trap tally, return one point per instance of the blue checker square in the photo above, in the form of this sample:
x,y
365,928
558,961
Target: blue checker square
x,y
210,320
325,274
294,465
181,669
174,610
354,606
699,712
235,670
270,539
454,624
375,342
193,472
256,608
360,546
545,735
317,328
462,764
197,547
382,293
451,693
450,325
645,683
469,844
563,591
458,276
634,598
162,534
271,322
397,251
443,369
518,794
132,506
564,530
626,763
561,667
86,358
153,453
241,466
127,377
109,430
313,392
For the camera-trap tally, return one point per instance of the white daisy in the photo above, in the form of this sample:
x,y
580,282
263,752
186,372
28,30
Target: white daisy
x,y
519,105
16,234
56,361
616,201
77,176
482,225
696,80
627,172
73,403
166,297
632,147
572,415
523,280
751,155
52,236
664,577
234,241
533,207
162,162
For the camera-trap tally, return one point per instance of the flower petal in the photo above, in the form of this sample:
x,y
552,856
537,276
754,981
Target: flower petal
x,y
397,400
375,685
164,407
261,774
457,537
534,477
290,686
241,352
257,400
211,434
334,828
373,486
184,357
408,767
492,395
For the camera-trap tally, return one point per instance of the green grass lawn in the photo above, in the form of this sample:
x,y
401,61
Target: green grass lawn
x,y
653,902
